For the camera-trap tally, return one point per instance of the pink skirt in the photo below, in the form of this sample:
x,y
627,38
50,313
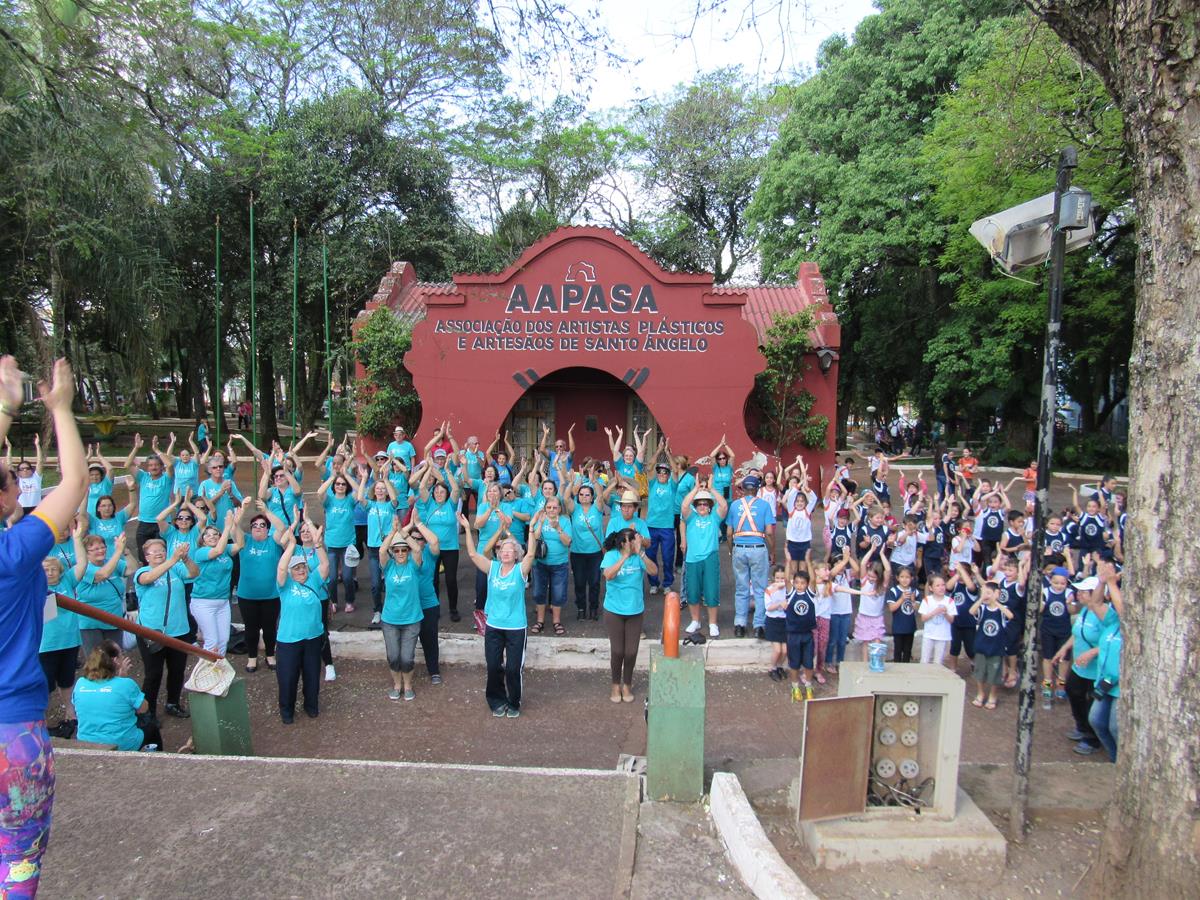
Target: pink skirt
x,y
869,628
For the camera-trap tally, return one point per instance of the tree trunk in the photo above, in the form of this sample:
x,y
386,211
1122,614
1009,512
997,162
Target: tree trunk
x,y
268,424
1149,56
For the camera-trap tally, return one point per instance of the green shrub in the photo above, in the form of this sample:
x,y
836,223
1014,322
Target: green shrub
x,y
1096,452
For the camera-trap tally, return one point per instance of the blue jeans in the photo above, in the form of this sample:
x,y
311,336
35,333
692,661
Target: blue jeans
x,y
550,583
662,539
750,569
941,486
339,571
839,633
376,578
1103,719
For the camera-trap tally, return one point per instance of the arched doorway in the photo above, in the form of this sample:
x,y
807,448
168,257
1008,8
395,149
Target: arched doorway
x,y
589,398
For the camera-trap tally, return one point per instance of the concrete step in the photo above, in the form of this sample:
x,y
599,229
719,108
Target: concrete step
x,y
164,826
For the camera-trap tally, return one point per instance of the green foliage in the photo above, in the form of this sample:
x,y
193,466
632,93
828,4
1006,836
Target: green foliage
x,y
784,409
386,396
1096,452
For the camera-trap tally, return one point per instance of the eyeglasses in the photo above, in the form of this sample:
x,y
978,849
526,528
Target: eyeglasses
x,y
722,458
258,524
185,519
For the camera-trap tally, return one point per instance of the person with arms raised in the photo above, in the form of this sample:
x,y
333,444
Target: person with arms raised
x,y
27,776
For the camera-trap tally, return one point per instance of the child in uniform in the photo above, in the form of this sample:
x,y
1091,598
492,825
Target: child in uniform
x,y
902,604
989,643
937,612
775,600
801,621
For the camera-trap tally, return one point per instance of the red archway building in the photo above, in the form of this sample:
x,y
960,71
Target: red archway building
x,y
585,328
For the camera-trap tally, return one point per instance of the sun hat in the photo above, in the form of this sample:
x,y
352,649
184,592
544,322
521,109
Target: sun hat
x,y
630,497
297,561
702,495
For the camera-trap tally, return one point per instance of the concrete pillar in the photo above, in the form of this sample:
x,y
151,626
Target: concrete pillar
x,y
675,730
221,725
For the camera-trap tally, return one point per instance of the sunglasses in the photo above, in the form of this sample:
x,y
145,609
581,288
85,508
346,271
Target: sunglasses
x,y
401,549
722,458
258,524
184,519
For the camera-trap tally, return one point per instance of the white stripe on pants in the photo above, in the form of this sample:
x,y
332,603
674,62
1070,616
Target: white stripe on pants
x,y
213,618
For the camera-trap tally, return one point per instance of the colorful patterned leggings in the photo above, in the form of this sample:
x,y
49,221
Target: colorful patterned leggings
x,y
26,798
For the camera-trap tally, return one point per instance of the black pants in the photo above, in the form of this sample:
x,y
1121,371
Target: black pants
x,y
150,731
504,652
449,565
1079,695
586,569
481,580
326,648
428,636
360,541
146,531
260,616
987,552
152,666
293,660
903,647
678,541
963,639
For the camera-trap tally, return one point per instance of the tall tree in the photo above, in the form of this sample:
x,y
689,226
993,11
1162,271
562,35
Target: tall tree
x,y
1148,54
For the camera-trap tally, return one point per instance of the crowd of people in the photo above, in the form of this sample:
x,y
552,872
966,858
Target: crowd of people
x,y
542,531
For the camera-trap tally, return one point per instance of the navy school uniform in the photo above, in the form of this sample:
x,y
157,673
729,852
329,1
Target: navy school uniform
x,y
801,618
1091,533
904,619
1013,538
1056,542
991,525
1012,595
877,536
880,490
990,633
1056,621
962,635
840,539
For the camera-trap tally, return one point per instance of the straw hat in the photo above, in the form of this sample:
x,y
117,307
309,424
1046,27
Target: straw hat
x,y
630,497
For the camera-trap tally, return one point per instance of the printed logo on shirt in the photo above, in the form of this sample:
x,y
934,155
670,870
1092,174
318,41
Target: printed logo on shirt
x,y
800,607
1090,530
991,628
1056,608
907,608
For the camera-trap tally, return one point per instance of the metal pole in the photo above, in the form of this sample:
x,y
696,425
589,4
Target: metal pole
x,y
295,295
220,412
253,339
328,362
1027,692
89,611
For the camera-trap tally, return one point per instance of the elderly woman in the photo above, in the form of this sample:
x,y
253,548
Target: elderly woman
x,y
100,582
624,564
380,510
211,590
400,556
702,562
257,590
337,496
504,635
439,511
301,631
109,702
551,568
587,526
162,605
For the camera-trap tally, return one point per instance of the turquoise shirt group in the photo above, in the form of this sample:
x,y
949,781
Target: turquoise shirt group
x,y
187,475
379,521
1087,629
557,553
339,520
587,528
442,520
1109,660
102,488
623,595
154,494
61,632
109,528
210,489
703,533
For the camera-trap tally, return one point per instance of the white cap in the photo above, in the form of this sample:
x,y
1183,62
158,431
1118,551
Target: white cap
x,y
298,561
1087,584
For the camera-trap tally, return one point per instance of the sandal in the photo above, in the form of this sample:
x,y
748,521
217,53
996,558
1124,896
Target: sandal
x,y
977,702
558,629
538,627
991,704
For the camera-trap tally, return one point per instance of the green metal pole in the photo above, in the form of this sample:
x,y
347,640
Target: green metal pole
x,y
328,362
295,307
220,416
253,339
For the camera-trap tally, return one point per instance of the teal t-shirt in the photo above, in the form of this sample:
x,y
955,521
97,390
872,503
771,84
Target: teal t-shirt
x,y
216,571
256,575
402,593
628,470
474,463
617,522
722,477
107,711
102,488
300,611
318,584
108,595
682,488
65,554
154,494
403,450
174,537
556,551
379,521
399,482
339,520
702,536
284,504
442,520
491,525
623,594
1109,660
505,607
109,529
585,539
429,562
1087,629
218,509
510,508
187,475
660,503
162,604
61,632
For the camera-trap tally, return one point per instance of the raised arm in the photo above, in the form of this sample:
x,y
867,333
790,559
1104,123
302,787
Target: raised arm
x,y
137,445
481,562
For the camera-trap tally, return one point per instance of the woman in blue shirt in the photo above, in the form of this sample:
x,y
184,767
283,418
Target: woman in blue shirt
x,y
108,521
722,477
550,570
162,605
1083,646
301,631
212,588
100,582
1107,691
337,496
490,520
380,512
587,530
185,468
400,557
108,703
504,633
100,483
59,650
625,562
27,778
257,591
431,608
439,512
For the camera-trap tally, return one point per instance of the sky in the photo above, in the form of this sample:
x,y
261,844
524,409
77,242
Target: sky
x,y
654,36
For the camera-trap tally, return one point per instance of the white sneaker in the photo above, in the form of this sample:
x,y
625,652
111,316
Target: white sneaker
x,y
694,627
714,631
376,619
330,675
654,588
